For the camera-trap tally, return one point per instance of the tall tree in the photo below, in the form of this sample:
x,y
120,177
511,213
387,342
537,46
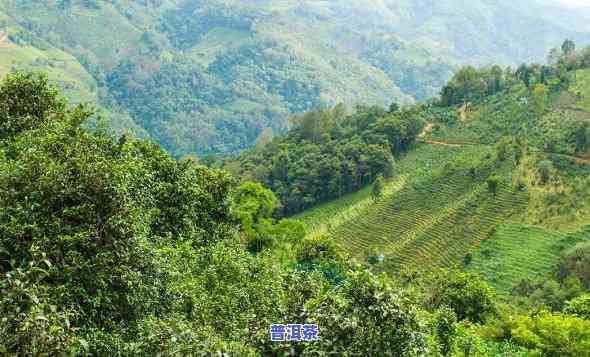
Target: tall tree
x,y
377,191
568,47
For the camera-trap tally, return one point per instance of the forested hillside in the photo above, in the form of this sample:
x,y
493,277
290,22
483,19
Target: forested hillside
x,y
212,76
453,247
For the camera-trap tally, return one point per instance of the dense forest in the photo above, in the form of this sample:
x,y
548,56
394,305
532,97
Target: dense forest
x,y
111,247
214,76
329,153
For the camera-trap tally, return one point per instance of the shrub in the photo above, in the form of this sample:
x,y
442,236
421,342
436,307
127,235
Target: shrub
x,y
545,167
576,263
579,306
27,101
445,329
493,183
465,293
554,334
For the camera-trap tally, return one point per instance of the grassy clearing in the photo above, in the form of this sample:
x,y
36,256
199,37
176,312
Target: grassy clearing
x,y
62,69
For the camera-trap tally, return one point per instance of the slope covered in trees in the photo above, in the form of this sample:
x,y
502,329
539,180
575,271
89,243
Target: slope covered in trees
x,y
108,246
212,76
329,153
111,247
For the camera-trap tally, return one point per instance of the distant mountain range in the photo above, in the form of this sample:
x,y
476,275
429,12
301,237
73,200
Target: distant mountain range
x,y
210,76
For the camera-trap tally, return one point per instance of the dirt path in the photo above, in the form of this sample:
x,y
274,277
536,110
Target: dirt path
x,y
576,159
442,143
427,129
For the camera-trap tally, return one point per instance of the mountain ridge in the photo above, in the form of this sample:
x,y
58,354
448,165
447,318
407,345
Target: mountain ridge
x,y
221,72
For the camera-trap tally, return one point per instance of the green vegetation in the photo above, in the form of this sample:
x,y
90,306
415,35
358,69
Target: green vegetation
x,y
455,227
328,154
111,247
447,207
210,76
515,252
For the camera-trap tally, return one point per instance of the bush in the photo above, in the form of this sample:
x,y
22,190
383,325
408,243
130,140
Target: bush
x,y
554,334
445,329
367,316
575,263
579,306
27,101
545,168
30,324
493,183
318,249
465,293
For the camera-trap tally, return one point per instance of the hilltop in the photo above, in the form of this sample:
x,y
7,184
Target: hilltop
x,y
213,76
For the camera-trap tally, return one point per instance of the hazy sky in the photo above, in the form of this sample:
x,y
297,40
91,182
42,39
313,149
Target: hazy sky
x,y
574,2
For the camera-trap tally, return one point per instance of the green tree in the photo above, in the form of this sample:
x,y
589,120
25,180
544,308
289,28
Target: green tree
x,y
493,182
525,74
467,85
503,148
27,101
568,47
367,316
92,207
318,249
289,230
377,188
394,107
582,135
519,149
465,293
253,204
389,165
553,335
575,263
545,167
540,99
445,329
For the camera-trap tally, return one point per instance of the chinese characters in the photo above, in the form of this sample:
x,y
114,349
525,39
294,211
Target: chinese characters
x,y
293,332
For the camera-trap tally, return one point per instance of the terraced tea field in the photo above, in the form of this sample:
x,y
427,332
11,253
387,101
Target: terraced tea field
x,y
410,169
435,211
430,225
516,252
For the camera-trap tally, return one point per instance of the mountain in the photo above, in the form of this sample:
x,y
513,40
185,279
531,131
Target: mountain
x,y
211,76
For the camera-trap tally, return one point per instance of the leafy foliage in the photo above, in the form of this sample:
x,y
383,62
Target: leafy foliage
x,y
328,154
554,335
465,293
